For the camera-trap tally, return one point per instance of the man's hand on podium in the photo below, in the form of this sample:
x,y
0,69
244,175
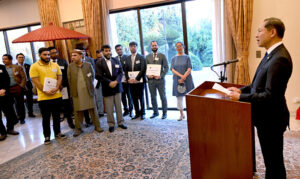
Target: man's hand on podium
x,y
234,93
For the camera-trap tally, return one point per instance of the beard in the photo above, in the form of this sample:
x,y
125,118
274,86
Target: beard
x,y
154,50
46,60
107,56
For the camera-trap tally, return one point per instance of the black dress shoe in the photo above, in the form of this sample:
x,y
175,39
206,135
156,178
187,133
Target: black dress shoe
x,y
164,116
100,115
135,117
88,124
22,122
31,115
111,129
12,132
123,126
2,137
125,113
154,115
143,117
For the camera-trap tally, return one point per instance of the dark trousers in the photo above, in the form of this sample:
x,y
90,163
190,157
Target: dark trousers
x,y
67,109
48,108
126,98
29,98
18,96
7,108
158,85
87,117
137,93
271,142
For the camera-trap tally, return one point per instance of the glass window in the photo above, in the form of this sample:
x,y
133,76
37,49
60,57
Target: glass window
x,y
164,25
125,28
199,32
2,46
37,45
16,48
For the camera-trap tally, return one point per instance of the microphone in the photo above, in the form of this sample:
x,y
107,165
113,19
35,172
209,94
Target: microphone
x,y
225,63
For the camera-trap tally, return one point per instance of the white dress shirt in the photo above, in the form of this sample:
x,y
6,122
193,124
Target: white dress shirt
x,y
108,62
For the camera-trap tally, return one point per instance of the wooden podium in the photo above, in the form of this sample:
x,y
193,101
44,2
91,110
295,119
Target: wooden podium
x,y
220,134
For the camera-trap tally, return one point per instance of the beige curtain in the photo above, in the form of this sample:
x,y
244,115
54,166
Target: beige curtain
x,y
239,18
49,13
96,18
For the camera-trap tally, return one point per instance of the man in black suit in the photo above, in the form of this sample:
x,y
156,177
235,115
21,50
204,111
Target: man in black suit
x,y
126,97
266,94
29,94
65,89
135,69
109,72
6,105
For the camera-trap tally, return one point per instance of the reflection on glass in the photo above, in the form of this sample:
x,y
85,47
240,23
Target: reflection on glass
x,y
199,32
16,48
124,27
2,46
164,25
37,45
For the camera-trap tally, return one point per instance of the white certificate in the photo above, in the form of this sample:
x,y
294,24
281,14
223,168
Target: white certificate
x,y
49,84
95,83
134,74
64,93
123,79
221,88
153,69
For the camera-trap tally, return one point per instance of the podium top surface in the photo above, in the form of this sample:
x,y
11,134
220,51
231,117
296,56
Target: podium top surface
x,y
205,90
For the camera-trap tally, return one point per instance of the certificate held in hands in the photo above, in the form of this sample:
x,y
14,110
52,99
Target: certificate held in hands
x,y
153,70
49,84
133,75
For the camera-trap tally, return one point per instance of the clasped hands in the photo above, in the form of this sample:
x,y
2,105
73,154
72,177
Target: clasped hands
x,y
234,93
182,79
152,76
113,84
51,92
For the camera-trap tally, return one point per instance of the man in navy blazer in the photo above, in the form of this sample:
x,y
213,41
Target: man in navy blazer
x,y
266,94
136,63
109,72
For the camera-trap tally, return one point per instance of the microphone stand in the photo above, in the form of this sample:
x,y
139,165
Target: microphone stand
x,y
222,76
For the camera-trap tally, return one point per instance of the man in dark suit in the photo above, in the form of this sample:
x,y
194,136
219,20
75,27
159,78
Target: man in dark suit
x,y
29,94
6,105
126,97
266,94
135,69
65,89
109,72
157,82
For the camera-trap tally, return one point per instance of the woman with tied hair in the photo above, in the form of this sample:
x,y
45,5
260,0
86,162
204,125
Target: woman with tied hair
x,y
81,77
181,68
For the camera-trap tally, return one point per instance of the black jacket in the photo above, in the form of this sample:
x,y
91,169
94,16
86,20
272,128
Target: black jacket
x,y
103,75
4,82
139,65
267,91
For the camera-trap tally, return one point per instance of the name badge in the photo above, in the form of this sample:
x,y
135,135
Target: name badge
x,y
137,62
89,75
54,70
16,73
61,67
156,58
1,71
117,66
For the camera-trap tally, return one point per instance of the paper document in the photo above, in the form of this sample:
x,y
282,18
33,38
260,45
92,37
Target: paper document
x,y
95,83
153,69
49,84
123,79
220,88
64,93
133,75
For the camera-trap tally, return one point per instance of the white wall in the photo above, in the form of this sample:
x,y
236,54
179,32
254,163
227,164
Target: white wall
x,y
18,12
121,4
287,11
